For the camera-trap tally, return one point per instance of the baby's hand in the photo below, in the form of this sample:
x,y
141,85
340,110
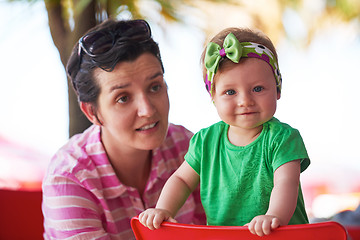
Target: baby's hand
x,y
263,224
153,217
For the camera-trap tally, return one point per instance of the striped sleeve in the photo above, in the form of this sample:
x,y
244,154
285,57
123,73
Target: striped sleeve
x,y
71,212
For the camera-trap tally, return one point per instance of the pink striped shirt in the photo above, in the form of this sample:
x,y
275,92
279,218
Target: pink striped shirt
x,y
83,198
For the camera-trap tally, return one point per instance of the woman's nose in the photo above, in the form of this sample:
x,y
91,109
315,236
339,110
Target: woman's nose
x,y
145,107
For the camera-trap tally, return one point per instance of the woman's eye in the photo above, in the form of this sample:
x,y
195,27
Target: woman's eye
x,y
123,99
156,88
230,92
258,89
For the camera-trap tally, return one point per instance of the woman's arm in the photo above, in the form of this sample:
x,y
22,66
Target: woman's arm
x,y
283,200
174,194
70,211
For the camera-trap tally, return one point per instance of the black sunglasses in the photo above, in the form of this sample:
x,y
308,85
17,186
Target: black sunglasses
x,y
100,42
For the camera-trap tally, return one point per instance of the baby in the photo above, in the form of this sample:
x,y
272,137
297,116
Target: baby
x,y
249,164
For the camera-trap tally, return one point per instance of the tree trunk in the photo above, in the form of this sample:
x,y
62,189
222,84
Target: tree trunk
x,y
64,39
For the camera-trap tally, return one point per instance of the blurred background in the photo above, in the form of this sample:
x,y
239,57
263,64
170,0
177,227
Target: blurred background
x,y
318,44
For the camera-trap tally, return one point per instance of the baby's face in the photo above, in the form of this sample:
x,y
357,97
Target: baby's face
x,y
245,95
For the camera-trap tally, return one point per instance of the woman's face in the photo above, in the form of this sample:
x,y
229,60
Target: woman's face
x,y
133,104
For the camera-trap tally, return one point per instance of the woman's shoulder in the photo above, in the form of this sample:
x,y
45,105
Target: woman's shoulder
x,y
75,154
82,163
175,130
177,139
171,153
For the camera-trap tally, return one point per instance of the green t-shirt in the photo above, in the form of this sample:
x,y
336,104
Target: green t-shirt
x,y
236,182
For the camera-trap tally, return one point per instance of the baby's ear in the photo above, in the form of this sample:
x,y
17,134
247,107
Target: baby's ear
x,y
278,95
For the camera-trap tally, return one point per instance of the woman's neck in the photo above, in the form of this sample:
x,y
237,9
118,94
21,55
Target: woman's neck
x,y
132,166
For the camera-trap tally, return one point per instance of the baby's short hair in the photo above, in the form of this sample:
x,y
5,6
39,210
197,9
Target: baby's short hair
x,y
243,35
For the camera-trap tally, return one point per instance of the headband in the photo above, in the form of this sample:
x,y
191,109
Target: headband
x,y
234,50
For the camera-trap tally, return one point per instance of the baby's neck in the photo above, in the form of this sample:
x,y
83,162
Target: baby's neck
x,y
243,137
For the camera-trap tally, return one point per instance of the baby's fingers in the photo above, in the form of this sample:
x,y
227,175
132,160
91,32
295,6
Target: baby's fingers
x,y
275,223
150,222
161,217
142,218
251,226
146,218
171,220
260,226
266,227
158,219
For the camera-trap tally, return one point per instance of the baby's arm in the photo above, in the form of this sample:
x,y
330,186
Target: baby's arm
x,y
283,200
174,194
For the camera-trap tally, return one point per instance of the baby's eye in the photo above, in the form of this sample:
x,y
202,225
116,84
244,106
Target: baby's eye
x,y
230,92
258,89
123,99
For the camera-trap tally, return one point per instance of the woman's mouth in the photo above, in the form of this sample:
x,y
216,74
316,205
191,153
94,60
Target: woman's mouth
x,y
147,127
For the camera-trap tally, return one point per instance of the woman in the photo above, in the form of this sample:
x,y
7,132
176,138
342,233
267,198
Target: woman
x,y
117,167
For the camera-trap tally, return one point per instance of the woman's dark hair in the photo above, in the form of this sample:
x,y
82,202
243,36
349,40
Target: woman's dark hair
x,y
80,66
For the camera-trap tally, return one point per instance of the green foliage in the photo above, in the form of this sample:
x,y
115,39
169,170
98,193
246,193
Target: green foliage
x,y
347,9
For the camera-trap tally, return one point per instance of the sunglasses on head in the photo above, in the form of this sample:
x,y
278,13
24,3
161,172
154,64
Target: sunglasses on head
x,y
100,42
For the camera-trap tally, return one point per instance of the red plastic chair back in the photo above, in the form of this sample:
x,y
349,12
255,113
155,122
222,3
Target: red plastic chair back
x,y
20,215
177,231
354,232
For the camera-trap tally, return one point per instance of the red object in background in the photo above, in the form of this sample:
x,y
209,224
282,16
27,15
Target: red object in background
x,y
354,232
177,231
21,172
21,167
20,215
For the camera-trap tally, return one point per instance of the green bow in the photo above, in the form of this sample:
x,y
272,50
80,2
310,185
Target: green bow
x,y
233,51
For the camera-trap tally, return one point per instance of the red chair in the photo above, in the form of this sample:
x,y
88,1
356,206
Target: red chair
x,y
177,231
354,232
20,215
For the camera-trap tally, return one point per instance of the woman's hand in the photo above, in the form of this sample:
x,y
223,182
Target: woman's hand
x,y
153,217
263,224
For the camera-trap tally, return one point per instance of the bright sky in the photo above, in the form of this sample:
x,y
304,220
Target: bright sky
x,y
320,86
33,91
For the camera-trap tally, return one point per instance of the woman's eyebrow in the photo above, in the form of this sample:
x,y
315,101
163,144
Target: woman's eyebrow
x,y
156,75
121,86
125,85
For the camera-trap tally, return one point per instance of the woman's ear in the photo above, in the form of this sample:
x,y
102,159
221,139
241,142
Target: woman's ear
x,y
88,110
278,95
